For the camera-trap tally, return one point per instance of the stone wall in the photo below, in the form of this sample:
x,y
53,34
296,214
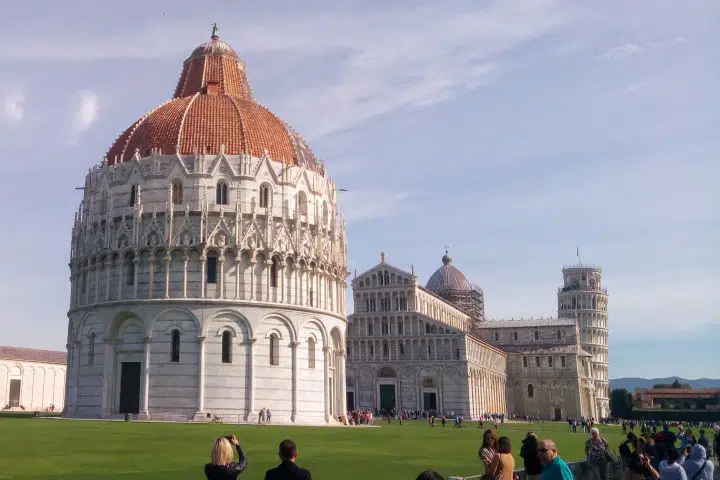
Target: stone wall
x,y
41,384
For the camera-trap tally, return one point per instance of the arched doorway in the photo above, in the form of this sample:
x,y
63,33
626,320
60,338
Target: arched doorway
x,y
429,393
386,389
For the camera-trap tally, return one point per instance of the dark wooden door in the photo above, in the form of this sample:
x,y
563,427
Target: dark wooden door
x,y
130,387
15,392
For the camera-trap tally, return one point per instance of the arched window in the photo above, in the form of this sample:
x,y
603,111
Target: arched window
x,y
221,193
531,391
211,273
177,192
385,328
401,349
91,349
311,352
227,347
559,335
537,335
302,203
133,194
175,347
515,336
325,213
264,196
386,349
497,337
387,278
274,272
274,349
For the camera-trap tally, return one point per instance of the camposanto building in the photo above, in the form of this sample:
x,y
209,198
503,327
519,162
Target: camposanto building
x,y
429,348
208,264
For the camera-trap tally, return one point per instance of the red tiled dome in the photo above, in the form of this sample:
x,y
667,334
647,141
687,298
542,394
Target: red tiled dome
x,y
213,106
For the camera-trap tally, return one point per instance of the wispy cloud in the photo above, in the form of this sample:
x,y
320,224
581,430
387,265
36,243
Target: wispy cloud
x,y
624,51
14,108
87,112
358,206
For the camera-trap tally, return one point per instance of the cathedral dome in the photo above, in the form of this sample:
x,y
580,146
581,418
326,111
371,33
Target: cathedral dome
x,y
447,278
213,110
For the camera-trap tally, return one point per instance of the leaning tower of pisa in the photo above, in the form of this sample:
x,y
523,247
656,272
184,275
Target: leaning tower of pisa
x,y
584,298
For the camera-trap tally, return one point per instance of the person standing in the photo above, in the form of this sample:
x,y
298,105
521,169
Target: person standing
x,y
554,467
529,453
596,451
488,449
287,470
697,466
503,464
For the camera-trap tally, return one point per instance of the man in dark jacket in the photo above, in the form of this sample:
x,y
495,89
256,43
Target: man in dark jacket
x,y
287,470
529,452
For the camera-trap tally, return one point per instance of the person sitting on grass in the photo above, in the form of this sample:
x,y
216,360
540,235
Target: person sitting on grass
x,y
287,470
221,466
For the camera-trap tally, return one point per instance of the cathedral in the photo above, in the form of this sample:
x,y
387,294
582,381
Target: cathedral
x,y
411,347
208,264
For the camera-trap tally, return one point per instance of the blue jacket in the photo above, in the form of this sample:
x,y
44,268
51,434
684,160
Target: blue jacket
x,y
557,470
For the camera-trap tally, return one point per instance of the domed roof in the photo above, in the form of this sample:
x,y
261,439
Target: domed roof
x,y
447,278
212,107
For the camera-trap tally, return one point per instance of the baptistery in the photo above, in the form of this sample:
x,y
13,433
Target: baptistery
x,y
208,264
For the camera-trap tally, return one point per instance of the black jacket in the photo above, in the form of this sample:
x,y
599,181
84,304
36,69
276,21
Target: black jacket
x,y
229,471
287,470
530,455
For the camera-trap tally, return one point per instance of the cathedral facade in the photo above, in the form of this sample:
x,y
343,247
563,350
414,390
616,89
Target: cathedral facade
x,y
208,264
430,348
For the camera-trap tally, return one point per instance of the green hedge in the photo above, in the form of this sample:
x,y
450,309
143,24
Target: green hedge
x,y
28,414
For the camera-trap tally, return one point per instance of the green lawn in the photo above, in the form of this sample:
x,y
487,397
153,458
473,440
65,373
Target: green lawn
x,y
47,448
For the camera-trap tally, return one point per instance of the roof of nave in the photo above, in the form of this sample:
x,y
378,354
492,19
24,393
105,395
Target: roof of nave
x,y
527,322
213,111
556,350
383,265
20,354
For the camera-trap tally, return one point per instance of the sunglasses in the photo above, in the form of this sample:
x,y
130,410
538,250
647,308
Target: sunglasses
x,y
543,450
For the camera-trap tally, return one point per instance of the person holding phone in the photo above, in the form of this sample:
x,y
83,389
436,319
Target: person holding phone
x,y
221,466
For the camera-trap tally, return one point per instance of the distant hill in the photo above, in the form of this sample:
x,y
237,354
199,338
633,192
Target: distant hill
x,y
630,383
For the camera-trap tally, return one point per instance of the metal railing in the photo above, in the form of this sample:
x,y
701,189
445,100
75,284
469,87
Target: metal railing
x,y
580,470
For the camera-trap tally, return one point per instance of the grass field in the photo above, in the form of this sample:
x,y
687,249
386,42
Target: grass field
x,y
47,448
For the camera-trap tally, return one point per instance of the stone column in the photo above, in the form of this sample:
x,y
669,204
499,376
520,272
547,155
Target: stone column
x,y
108,364
294,346
342,384
203,274
136,262
221,271
185,273
96,277
252,278
108,266
69,370
201,378
144,411
76,354
268,264
168,264
281,277
238,261
326,383
121,277
151,276
251,378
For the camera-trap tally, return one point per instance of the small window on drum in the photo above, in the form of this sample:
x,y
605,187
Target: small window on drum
x,y
175,346
177,192
226,347
211,275
264,196
221,193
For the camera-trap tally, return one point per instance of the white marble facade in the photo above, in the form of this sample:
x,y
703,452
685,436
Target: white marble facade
x,y
414,348
408,349
217,282
31,380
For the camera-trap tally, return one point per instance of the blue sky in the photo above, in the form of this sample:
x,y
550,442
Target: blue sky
x,y
511,131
